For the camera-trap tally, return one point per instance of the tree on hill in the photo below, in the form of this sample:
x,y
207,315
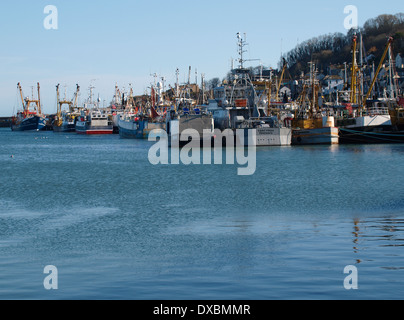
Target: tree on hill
x,y
336,49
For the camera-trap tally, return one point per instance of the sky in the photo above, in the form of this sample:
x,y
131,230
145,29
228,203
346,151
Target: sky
x,y
123,42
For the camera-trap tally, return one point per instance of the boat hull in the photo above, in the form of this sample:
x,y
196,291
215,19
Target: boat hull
x,y
370,135
71,127
93,130
268,137
115,122
369,130
130,134
35,123
142,129
198,123
323,136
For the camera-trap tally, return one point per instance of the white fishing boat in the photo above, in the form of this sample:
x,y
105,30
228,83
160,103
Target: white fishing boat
x,y
239,104
93,120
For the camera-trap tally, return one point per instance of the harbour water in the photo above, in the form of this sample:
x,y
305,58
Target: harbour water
x,y
117,227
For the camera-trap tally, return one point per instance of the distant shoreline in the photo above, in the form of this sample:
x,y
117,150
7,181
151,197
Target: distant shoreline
x,y
5,122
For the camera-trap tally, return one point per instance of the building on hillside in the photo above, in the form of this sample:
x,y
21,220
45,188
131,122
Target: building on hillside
x,y
285,92
332,84
336,70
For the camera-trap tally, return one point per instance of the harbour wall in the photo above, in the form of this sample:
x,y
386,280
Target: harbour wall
x,y
5,122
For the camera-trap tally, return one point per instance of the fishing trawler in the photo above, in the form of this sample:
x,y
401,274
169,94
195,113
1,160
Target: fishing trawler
x,y
178,121
241,104
140,126
28,119
370,121
92,120
310,125
370,125
65,120
140,122
183,115
118,106
235,107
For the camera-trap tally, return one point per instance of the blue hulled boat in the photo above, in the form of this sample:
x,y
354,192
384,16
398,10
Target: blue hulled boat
x,y
27,120
138,128
29,123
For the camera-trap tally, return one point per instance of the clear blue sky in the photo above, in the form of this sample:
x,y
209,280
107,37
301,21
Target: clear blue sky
x,y
125,41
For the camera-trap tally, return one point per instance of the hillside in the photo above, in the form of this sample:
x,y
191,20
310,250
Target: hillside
x,y
335,49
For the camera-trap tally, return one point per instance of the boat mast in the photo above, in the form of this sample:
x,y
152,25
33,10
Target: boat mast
x,y
361,64
280,80
241,44
22,95
91,95
313,88
392,90
354,71
177,87
163,89
117,96
395,76
39,99
203,87
389,42
59,111
76,94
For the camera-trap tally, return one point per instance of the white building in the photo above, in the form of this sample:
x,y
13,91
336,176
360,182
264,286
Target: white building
x,y
284,90
332,84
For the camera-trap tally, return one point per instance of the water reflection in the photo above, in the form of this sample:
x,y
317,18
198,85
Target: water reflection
x,y
356,238
376,236
373,148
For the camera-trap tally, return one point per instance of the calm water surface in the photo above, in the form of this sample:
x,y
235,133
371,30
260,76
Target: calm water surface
x,y
117,227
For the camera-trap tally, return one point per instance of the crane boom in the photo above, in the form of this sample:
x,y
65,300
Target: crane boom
x,y
280,80
59,109
39,99
21,94
389,42
354,71
76,94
